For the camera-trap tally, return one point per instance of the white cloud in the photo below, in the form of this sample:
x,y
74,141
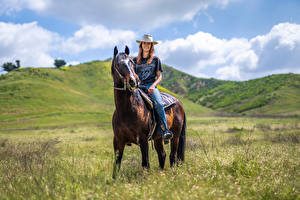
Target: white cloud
x,y
97,37
238,58
132,14
27,42
226,72
8,6
34,45
200,54
279,49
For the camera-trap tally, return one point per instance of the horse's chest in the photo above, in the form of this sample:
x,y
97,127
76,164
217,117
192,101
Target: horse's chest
x,y
133,130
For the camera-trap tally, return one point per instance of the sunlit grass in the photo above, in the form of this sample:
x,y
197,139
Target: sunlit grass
x,y
227,158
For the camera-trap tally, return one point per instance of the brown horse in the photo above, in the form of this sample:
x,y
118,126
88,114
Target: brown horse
x,y
132,117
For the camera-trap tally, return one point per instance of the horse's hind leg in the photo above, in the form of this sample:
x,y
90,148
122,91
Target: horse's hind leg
x,y
174,147
118,149
159,147
145,158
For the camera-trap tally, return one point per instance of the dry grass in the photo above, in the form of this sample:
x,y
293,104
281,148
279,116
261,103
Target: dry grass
x,y
293,138
234,140
246,164
26,156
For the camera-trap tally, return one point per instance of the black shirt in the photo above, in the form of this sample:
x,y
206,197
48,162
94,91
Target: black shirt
x,y
147,73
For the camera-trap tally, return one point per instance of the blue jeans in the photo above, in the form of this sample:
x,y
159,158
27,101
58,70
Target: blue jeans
x,y
159,108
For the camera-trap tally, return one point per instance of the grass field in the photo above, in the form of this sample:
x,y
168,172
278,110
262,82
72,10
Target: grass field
x,y
226,158
56,143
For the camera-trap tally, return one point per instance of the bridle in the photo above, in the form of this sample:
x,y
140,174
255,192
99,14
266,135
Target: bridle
x,y
126,85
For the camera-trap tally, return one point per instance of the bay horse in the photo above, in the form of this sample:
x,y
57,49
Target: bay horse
x,y
131,117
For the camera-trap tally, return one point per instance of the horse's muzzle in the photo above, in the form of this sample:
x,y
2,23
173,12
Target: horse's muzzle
x,y
132,85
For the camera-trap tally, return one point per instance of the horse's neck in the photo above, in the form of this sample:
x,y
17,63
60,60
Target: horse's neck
x,y
126,101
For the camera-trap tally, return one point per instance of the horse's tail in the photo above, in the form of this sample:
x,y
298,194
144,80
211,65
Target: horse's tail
x,y
181,145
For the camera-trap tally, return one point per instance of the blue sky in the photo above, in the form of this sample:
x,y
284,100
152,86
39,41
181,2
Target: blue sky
x,y
224,39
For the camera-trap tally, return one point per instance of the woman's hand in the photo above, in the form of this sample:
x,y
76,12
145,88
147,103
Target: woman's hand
x,y
158,79
151,89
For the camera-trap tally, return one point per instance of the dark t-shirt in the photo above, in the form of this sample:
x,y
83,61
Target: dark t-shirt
x,y
147,73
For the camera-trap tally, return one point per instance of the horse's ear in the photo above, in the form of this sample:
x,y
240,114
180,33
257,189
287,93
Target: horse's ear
x,y
127,50
115,51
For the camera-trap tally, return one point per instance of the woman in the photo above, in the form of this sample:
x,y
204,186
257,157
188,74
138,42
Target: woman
x,y
148,68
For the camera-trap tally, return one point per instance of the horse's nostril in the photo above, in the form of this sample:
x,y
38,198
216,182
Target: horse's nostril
x,y
132,83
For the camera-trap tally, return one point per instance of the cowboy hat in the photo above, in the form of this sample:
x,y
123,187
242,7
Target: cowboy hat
x,y
147,38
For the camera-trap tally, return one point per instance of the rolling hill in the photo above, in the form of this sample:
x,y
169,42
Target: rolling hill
x,y
50,97
271,95
83,94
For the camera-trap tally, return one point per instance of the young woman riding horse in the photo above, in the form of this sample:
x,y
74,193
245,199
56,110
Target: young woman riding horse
x,y
148,69
132,118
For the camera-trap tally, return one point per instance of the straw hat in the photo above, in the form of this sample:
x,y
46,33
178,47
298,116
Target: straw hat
x,y
147,38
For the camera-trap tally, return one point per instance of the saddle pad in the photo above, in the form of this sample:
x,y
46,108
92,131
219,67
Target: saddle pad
x,y
168,100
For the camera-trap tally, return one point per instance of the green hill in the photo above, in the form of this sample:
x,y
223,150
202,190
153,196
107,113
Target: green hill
x,y
83,94
271,95
187,85
50,97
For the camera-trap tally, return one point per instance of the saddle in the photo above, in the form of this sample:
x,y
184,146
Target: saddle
x,y
168,102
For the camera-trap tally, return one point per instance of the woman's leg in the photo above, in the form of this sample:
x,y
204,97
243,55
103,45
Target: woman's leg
x,y
158,106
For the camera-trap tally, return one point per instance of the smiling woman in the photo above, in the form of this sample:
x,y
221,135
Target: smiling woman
x,y
148,69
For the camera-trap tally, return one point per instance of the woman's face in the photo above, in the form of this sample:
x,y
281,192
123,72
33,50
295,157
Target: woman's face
x,y
146,46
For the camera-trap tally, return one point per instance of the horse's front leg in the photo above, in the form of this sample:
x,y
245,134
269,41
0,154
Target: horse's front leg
x,y
118,150
144,149
159,147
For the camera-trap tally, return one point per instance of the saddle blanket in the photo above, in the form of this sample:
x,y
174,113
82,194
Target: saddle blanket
x,y
168,100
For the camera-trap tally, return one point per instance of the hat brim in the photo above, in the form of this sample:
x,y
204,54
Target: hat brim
x,y
154,42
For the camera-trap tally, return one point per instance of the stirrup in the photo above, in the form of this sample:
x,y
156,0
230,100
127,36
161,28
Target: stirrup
x,y
167,136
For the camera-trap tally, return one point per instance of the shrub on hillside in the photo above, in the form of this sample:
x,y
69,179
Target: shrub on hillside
x,y
59,63
257,103
9,66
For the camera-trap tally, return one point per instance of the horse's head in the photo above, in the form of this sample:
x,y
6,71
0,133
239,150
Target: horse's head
x,y
123,72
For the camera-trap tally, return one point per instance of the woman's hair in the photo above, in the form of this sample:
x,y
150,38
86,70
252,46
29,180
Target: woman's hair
x,y
140,54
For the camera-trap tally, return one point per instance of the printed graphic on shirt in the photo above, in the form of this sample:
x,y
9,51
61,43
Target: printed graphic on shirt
x,y
147,73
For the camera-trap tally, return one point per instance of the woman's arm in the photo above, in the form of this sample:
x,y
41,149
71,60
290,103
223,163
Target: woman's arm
x,y
156,82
